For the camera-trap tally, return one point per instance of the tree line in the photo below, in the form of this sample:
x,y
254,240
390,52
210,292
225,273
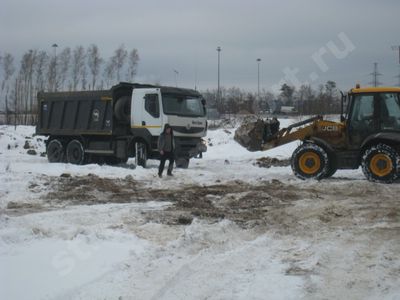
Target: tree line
x,y
305,100
67,70
85,69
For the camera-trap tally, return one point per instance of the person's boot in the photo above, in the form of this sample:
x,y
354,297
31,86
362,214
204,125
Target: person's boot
x,y
169,173
160,175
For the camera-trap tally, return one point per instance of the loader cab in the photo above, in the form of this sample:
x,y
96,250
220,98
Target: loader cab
x,y
370,111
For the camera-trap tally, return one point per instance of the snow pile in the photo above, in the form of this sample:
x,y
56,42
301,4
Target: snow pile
x,y
106,232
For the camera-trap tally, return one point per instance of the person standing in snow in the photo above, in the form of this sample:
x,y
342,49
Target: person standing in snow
x,y
166,147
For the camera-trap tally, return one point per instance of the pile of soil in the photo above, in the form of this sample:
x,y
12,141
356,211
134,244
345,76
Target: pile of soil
x,y
252,135
268,162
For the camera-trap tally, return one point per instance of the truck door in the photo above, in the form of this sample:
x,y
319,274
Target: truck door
x,y
146,110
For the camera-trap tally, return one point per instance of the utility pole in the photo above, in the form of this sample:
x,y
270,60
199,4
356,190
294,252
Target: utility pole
x,y
176,77
258,78
55,66
375,74
218,89
397,48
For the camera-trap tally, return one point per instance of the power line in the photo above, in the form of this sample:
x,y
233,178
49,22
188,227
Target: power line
x,y
375,74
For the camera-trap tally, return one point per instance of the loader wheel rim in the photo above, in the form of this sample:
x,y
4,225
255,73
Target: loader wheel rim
x,y
309,163
381,165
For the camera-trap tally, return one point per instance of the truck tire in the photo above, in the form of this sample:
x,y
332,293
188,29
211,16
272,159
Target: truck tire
x,y
55,151
75,153
141,154
122,110
182,163
310,161
381,163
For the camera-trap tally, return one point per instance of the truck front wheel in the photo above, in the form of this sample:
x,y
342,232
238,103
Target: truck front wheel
x,y
75,152
55,151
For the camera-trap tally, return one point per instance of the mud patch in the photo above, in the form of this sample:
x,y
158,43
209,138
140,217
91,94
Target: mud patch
x,y
268,162
288,208
92,189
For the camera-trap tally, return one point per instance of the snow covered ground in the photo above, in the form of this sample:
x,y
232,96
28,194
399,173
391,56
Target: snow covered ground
x,y
222,229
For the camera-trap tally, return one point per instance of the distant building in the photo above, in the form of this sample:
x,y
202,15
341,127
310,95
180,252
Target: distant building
x,y
277,107
288,110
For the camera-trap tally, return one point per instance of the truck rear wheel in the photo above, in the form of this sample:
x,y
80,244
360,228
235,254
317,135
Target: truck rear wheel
x,y
380,163
310,161
75,152
55,151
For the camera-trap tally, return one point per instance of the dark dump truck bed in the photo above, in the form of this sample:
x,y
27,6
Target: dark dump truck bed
x,y
75,113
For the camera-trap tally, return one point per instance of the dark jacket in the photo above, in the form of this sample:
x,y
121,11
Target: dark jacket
x,y
161,142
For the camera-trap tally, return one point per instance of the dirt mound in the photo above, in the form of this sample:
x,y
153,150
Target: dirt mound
x,y
267,162
92,189
252,134
288,208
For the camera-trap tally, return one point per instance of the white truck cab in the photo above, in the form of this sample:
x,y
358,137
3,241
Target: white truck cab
x,y
183,109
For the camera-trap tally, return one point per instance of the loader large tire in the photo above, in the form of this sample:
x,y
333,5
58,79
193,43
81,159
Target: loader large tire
x,y
310,161
381,163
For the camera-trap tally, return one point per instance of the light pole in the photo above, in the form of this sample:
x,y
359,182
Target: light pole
x,y
176,77
397,48
258,78
55,66
218,89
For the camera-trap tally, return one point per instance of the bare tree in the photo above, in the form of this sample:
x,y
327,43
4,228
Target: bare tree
x,y
63,60
109,72
287,93
94,63
119,59
51,74
8,69
41,61
133,60
78,62
84,77
25,77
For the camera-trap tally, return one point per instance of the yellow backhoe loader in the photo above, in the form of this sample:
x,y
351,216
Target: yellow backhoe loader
x,y
367,135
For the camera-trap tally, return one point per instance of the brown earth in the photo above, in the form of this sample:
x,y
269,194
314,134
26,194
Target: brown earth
x,y
289,208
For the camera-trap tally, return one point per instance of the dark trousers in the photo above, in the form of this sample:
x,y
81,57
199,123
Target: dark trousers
x,y
164,157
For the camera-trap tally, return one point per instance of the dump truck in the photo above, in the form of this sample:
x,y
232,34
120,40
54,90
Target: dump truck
x,y
109,126
368,135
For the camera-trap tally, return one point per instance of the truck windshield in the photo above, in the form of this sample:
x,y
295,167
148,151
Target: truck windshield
x,y
183,106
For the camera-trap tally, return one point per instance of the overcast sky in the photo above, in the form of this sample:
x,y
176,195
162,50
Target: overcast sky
x,y
314,40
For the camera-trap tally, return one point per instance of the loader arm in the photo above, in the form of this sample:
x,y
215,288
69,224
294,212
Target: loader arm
x,y
286,135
